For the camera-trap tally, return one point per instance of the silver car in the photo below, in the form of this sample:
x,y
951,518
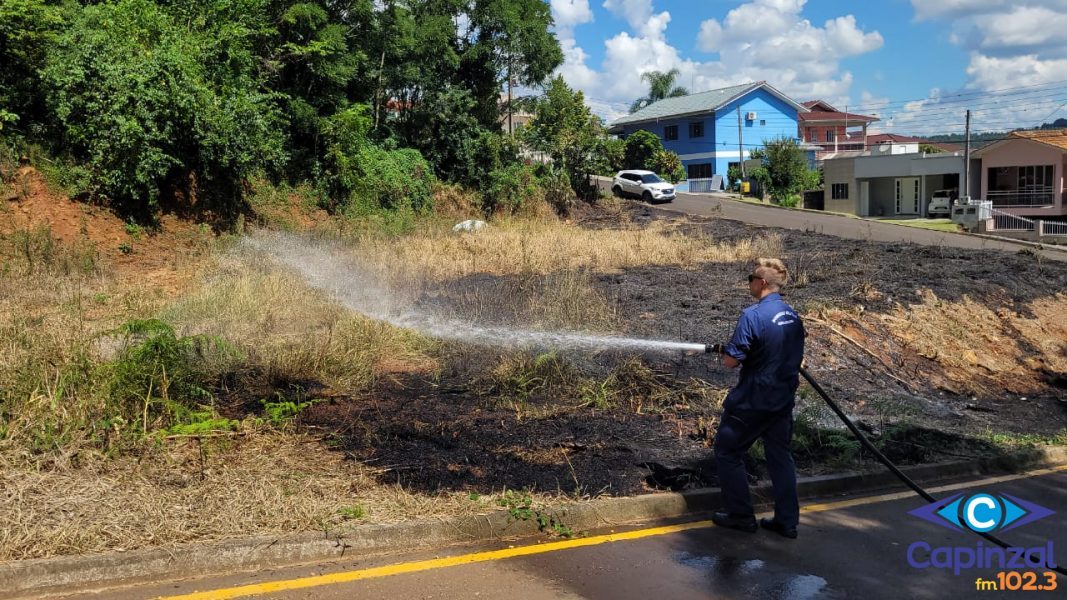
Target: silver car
x,y
642,184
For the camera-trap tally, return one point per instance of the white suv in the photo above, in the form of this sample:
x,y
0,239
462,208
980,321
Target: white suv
x,y
644,184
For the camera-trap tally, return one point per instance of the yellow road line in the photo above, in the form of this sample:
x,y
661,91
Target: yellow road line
x,y
466,559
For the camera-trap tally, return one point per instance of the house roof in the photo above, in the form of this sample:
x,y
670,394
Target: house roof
x,y
823,115
1051,137
1057,138
892,138
818,104
702,102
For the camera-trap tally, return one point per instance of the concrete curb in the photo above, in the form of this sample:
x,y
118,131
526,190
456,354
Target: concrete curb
x,y
52,576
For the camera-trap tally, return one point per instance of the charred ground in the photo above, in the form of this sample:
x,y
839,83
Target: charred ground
x,y
459,431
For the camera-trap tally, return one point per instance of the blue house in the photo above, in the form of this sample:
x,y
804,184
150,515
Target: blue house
x,y
703,128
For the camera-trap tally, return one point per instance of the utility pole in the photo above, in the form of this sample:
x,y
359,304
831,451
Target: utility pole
x,y
740,143
967,160
740,150
511,129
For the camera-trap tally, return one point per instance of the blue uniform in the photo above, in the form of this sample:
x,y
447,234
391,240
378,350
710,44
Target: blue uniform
x,y
769,344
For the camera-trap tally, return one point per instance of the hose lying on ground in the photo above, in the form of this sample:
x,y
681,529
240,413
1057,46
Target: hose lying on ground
x,y
889,464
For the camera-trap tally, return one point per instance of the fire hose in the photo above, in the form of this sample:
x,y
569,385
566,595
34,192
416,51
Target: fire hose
x,y
882,458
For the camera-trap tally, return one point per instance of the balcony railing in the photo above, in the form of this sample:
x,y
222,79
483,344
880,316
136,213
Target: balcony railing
x,y
1022,198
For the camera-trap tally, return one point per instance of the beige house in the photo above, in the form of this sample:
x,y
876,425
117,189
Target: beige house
x,y
890,180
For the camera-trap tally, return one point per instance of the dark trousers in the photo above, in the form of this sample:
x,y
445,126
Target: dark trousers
x,y
737,432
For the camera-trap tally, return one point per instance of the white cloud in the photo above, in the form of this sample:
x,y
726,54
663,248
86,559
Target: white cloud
x,y
1010,45
640,16
770,40
568,14
989,72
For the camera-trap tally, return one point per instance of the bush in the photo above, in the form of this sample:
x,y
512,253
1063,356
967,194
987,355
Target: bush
x,y
641,148
790,201
510,188
361,178
733,175
669,165
161,379
613,151
150,104
394,179
558,191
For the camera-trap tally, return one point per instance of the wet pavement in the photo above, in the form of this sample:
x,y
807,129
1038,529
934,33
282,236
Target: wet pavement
x,y
847,548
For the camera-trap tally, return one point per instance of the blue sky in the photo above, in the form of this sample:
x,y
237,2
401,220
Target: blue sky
x,y
916,64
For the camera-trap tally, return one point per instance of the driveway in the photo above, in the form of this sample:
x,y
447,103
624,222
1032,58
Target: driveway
x,y
723,206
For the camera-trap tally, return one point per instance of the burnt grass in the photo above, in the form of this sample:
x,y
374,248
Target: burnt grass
x,y
452,432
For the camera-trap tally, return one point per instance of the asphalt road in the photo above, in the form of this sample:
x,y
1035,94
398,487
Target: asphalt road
x,y
848,548
720,205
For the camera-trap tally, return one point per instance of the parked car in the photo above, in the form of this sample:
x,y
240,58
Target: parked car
x,y
642,184
941,203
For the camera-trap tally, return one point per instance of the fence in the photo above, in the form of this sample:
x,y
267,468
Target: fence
x,y
705,185
1003,221
1052,228
1009,223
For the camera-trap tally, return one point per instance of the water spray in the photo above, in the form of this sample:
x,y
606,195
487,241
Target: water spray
x,y
330,269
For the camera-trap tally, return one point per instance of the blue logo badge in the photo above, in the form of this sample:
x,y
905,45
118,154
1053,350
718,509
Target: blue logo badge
x,y
981,512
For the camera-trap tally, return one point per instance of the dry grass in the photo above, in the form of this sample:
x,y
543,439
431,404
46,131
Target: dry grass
x,y
974,341
260,484
524,247
291,333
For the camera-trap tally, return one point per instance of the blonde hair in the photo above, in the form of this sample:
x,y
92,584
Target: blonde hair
x,y
771,270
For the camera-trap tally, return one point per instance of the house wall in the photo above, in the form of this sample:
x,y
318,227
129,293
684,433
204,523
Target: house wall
x,y
817,133
840,170
1021,153
719,145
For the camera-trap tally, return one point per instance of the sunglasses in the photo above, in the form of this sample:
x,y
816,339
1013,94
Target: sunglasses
x,y
752,278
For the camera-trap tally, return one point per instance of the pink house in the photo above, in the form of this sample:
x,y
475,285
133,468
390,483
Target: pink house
x,y
1024,173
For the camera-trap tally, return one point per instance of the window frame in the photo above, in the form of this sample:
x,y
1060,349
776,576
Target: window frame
x,y
668,130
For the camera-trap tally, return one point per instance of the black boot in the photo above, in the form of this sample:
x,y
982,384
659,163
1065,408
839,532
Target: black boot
x,y
775,526
738,522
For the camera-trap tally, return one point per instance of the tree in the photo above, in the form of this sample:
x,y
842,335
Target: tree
x,y
786,167
564,127
27,30
660,86
641,147
928,149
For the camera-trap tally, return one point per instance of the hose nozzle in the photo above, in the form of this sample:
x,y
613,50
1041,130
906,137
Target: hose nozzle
x,y
713,348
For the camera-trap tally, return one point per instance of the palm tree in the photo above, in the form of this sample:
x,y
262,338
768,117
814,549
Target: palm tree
x,y
660,86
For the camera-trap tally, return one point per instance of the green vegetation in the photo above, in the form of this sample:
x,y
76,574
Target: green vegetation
x,y
148,103
565,128
660,86
641,149
785,171
520,507
934,224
